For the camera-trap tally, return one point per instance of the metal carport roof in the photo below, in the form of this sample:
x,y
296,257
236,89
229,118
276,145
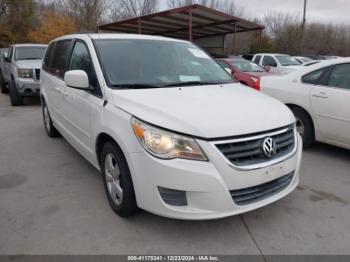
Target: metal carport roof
x,y
189,22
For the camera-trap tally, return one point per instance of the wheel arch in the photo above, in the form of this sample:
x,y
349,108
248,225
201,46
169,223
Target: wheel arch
x,y
100,141
308,115
102,138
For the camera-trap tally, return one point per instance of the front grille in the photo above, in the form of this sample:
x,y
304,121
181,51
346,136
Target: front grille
x,y
37,74
257,193
249,151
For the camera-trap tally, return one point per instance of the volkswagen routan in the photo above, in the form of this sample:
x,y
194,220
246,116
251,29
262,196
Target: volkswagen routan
x,y
168,128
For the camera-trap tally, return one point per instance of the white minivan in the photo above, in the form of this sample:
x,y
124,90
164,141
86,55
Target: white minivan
x,y
168,128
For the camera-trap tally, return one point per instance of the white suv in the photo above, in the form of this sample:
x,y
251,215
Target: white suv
x,y
169,129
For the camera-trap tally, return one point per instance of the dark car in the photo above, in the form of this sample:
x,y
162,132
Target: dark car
x,y
248,57
244,71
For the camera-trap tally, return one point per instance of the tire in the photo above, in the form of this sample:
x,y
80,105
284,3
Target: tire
x,y
3,88
50,129
15,98
116,178
304,126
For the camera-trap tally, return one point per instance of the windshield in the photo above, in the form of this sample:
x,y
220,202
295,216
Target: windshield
x,y
29,52
246,66
138,63
305,59
285,60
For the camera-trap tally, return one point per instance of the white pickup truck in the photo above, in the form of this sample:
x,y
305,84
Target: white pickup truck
x,y
20,71
277,63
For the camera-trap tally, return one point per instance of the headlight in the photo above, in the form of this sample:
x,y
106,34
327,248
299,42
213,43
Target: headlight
x,y
25,73
164,144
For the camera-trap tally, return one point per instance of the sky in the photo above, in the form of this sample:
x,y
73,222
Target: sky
x,y
324,11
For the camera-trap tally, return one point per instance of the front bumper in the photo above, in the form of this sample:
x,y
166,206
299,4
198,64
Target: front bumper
x,y
207,184
27,87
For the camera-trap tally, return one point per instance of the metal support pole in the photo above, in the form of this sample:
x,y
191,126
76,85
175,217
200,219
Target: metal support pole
x,y
190,38
304,15
139,24
234,38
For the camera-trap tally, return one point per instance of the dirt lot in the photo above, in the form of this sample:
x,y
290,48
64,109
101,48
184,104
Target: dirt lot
x,y
52,202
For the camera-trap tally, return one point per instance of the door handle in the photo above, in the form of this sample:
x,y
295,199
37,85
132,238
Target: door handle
x,y
320,95
64,92
57,89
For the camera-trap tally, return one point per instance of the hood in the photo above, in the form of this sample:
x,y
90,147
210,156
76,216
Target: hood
x,y
28,64
205,111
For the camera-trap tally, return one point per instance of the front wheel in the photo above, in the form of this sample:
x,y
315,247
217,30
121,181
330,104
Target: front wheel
x,y
50,129
117,181
15,98
3,84
304,127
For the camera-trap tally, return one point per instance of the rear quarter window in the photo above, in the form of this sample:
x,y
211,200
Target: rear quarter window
x,y
257,59
313,77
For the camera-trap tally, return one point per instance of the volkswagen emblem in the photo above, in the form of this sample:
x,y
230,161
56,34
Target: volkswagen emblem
x,y
269,147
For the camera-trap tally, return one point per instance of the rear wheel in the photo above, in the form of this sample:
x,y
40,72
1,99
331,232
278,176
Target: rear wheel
x,y
304,126
3,84
117,180
15,98
49,127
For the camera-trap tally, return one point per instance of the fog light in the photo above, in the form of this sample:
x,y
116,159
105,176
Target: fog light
x,y
173,197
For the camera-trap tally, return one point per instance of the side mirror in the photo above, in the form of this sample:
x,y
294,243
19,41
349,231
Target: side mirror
x,y
7,59
267,68
77,79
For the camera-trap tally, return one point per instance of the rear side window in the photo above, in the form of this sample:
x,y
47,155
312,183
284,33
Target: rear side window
x,y
340,76
269,61
47,58
313,77
257,59
60,58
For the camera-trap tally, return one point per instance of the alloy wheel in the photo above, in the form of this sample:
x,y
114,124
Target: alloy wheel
x,y
112,174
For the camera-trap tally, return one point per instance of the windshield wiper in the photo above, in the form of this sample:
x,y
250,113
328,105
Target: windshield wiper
x,y
135,86
193,83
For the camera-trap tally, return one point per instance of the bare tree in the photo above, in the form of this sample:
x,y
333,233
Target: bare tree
x,y
4,7
122,9
179,3
87,13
